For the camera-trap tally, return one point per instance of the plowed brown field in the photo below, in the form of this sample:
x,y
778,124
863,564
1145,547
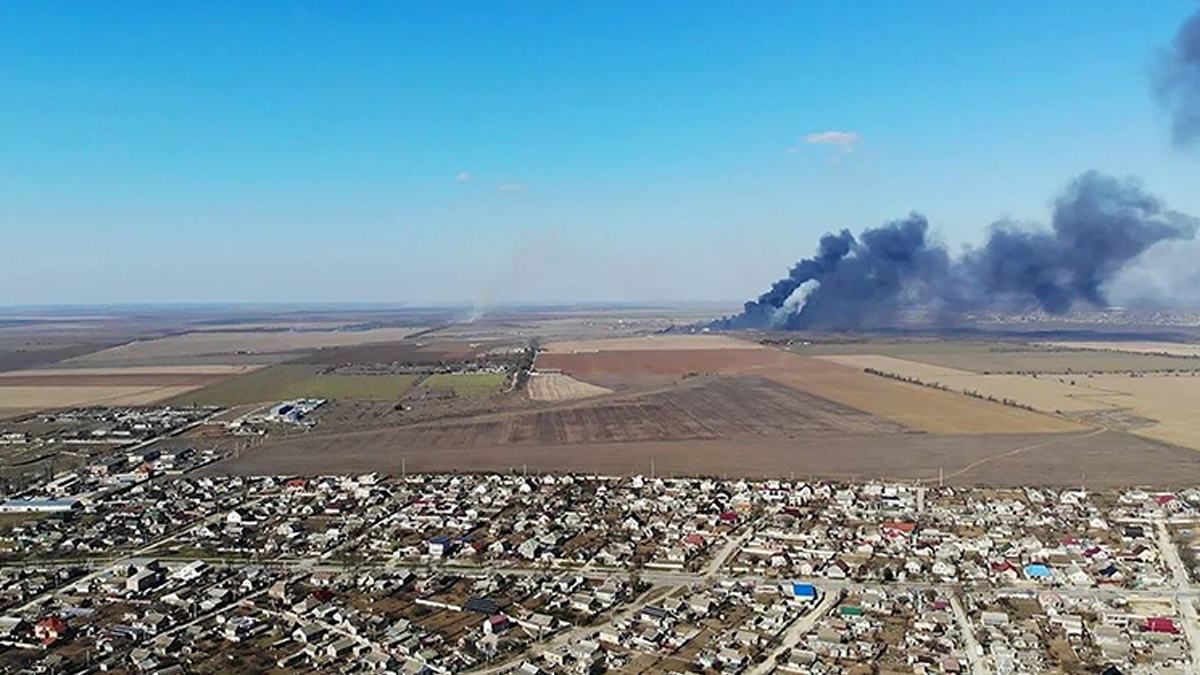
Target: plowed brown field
x,y
1108,459
910,405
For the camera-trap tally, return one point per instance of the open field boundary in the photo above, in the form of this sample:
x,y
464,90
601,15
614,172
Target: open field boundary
x,y
1104,458
1157,405
1176,349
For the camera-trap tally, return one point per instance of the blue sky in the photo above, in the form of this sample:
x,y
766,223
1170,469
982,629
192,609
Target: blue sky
x,y
526,151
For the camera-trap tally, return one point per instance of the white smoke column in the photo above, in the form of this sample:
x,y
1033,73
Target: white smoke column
x,y
1166,275
795,303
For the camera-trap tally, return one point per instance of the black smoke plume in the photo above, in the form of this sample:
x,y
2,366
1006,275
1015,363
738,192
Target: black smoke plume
x,y
1177,83
1100,224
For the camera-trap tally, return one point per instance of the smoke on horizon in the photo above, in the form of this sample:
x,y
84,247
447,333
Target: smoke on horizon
x,y
1100,225
1177,83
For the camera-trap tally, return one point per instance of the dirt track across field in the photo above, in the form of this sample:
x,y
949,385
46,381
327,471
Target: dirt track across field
x,y
911,405
1098,459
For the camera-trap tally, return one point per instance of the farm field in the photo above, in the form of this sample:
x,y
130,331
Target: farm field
x,y
914,406
1171,401
660,362
1003,357
215,347
466,385
703,408
26,347
559,387
414,352
215,370
1184,349
693,403
1104,459
43,397
650,343
1047,393
910,405
70,378
45,388
1157,405
297,381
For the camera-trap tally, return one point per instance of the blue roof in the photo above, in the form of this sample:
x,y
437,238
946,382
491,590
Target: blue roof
x,y
1037,570
804,590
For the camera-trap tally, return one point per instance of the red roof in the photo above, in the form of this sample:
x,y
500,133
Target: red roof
x,y
53,623
899,526
1160,624
50,629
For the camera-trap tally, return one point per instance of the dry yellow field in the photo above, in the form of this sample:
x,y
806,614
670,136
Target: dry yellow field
x,y
37,398
1046,393
1164,404
271,325
1170,400
223,348
560,387
1172,348
214,369
650,343
917,407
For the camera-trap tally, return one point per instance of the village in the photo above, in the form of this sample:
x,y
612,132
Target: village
x,y
143,562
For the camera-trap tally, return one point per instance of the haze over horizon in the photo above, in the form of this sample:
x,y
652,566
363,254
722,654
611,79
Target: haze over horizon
x,y
539,152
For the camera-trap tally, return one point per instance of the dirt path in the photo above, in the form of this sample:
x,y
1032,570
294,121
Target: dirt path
x,y
1004,455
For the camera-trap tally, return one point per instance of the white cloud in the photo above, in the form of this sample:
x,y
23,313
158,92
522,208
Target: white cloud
x,y
511,187
463,176
843,140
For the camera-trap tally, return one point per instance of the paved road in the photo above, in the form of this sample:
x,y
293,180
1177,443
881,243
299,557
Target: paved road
x,y
566,638
1187,604
795,632
970,645
727,551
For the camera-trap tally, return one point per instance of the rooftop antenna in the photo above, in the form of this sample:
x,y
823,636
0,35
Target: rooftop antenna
x,y
941,477
651,468
403,468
